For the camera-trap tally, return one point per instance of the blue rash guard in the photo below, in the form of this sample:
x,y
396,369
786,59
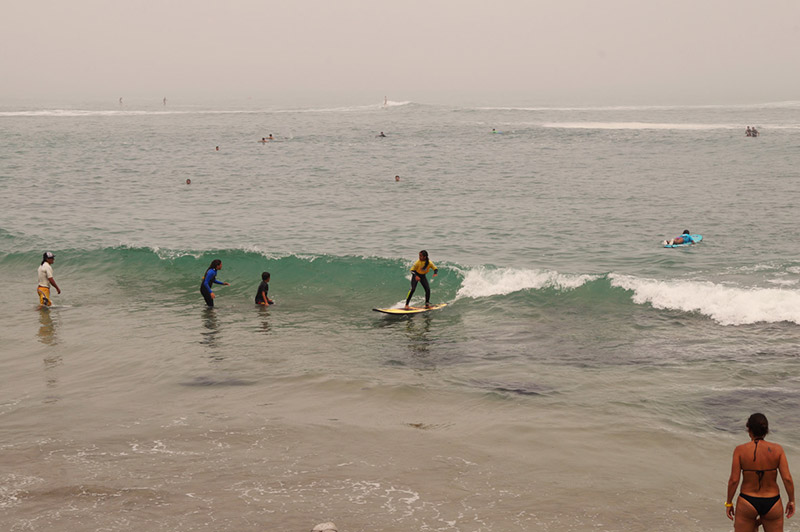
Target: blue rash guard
x,y
205,287
210,278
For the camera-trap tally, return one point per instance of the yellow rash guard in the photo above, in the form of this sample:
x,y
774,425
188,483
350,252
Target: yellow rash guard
x,y
419,267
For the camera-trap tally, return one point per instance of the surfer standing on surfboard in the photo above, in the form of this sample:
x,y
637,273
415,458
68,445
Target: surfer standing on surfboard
x,y
418,271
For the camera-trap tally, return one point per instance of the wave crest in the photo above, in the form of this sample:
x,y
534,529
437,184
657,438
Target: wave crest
x,y
485,282
725,305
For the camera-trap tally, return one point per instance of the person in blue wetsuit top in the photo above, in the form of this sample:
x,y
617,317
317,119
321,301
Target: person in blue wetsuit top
x,y
685,238
418,271
209,279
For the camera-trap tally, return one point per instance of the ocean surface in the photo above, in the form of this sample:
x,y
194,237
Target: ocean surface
x,y
582,377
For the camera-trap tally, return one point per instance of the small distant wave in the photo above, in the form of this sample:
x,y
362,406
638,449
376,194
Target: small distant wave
x,y
68,113
80,113
484,282
767,105
638,125
724,304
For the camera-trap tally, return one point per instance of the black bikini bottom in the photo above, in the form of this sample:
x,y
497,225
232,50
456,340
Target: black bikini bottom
x,y
761,504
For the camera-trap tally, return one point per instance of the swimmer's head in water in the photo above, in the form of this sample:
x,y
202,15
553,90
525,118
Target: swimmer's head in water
x,y
758,425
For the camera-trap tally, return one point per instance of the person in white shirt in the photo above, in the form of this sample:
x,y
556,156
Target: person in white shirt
x,y
46,279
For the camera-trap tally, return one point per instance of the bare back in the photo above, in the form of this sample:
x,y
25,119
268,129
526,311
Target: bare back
x,y
760,461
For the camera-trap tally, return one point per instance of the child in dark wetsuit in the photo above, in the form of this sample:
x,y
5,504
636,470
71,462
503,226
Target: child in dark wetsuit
x,y
263,290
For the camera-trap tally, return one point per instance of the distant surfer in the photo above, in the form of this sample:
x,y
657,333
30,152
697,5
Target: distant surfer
x,y
263,290
188,181
381,135
397,178
385,101
165,101
759,501
46,279
120,101
685,238
217,149
209,279
418,271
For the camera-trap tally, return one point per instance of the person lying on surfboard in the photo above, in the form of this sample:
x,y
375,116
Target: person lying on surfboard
x,y
418,271
685,238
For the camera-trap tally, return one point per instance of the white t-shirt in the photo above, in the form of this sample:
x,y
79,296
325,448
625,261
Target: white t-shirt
x,y
45,273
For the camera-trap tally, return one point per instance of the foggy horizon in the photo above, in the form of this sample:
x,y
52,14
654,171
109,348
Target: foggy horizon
x,y
577,52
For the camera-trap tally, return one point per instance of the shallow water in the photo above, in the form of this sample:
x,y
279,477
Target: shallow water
x,y
579,373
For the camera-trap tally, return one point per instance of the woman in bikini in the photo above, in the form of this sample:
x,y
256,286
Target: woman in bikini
x,y
758,464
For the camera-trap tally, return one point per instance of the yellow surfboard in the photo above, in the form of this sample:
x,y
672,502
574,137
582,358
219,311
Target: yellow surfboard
x,y
412,310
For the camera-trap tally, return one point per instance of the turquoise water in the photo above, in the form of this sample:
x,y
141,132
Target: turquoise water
x,y
579,372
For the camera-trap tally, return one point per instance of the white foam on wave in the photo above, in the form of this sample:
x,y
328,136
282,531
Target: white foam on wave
x,y
768,105
484,282
67,113
638,125
727,305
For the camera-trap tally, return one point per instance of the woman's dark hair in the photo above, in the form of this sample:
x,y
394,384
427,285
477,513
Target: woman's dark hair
x,y
685,231
758,425
425,254
214,264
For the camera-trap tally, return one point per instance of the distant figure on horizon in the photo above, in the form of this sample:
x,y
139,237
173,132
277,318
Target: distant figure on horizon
x,y
165,101
385,101
381,135
120,101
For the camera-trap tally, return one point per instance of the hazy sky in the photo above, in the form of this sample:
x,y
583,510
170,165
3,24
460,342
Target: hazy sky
x,y
659,51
